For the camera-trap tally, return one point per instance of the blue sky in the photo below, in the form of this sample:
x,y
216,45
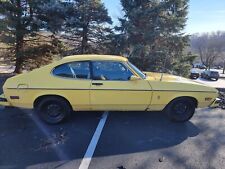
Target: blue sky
x,y
204,15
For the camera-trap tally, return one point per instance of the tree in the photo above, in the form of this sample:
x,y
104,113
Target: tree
x,y
209,46
153,32
87,25
25,18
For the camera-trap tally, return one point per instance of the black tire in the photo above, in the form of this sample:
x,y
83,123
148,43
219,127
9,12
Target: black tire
x,y
53,110
180,110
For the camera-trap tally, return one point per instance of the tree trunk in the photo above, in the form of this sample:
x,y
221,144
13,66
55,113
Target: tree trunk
x,y
18,51
19,39
201,55
18,65
84,42
224,67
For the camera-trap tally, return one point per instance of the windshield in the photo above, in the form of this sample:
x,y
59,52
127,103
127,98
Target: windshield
x,y
140,73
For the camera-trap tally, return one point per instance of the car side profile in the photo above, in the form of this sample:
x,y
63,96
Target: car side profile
x,y
103,83
210,75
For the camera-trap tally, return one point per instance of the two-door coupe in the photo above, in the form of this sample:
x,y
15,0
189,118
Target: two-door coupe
x,y
104,83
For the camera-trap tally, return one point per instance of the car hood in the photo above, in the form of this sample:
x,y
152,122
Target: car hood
x,y
165,77
181,81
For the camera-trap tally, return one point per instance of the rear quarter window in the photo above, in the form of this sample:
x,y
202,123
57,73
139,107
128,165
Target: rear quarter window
x,y
76,70
63,71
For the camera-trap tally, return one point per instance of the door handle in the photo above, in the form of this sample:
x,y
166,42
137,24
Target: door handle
x,y
97,84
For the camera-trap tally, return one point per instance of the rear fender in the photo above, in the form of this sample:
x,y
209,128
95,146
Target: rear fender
x,y
3,101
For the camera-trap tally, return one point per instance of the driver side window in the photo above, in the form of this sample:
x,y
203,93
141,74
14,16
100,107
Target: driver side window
x,y
106,70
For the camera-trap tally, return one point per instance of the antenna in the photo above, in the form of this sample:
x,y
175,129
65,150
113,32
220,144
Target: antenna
x,y
164,67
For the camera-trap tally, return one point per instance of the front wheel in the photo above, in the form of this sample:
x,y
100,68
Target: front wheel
x,y
53,110
180,110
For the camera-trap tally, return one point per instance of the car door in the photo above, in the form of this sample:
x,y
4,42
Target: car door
x,y
74,80
111,88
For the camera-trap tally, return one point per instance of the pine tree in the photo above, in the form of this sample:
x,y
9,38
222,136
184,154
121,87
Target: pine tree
x,y
87,25
25,18
153,32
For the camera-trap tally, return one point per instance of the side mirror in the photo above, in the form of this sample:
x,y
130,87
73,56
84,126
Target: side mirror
x,y
134,78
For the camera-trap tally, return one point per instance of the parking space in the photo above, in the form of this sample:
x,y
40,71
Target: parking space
x,y
142,140
28,143
130,140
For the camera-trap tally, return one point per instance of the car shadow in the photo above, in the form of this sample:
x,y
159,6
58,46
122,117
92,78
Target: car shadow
x,y
38,144
132,132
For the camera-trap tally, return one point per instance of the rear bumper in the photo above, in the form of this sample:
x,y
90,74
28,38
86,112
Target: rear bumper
x,y
215,103
3,101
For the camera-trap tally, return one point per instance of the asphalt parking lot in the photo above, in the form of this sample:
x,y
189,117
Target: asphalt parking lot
x,y
129,140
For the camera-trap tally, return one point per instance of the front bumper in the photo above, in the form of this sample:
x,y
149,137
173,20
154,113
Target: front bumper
x,y
3,101
215,103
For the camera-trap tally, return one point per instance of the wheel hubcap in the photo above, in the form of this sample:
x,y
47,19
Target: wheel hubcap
x,y
180,108
54,110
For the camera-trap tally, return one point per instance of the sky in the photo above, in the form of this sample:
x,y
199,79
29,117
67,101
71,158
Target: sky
x,y
204,15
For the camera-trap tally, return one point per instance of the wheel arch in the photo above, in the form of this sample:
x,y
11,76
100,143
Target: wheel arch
x,y
41,97
195,101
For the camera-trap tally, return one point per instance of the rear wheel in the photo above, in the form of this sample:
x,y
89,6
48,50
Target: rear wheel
x,y
53,110
181,110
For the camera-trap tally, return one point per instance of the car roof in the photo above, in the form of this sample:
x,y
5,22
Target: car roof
x,y
194,71
93,57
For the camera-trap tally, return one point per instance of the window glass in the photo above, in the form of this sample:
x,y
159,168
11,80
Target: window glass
x,y
63,71
105,70
214,73
77,70
142,75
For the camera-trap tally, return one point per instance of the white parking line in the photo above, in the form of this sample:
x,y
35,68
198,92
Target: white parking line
x,y
91,148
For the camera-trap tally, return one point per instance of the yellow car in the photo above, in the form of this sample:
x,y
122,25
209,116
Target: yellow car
x,y
103,83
